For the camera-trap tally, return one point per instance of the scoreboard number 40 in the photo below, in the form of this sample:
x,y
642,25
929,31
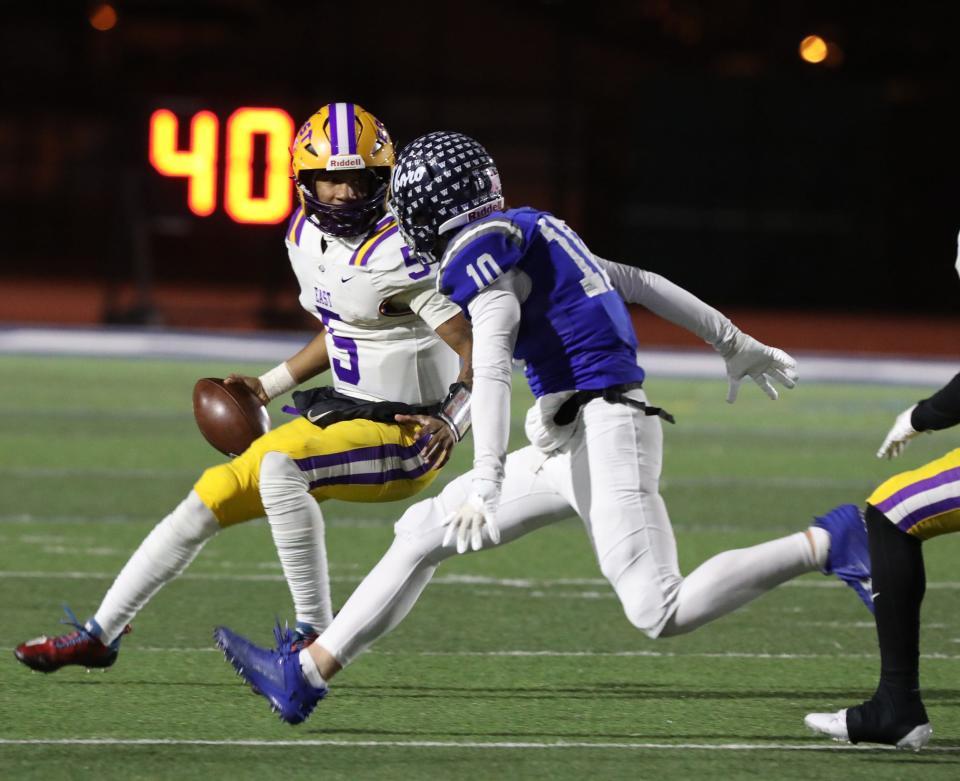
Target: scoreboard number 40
x,y
269,204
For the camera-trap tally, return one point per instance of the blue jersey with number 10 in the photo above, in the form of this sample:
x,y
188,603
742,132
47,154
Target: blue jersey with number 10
x,y
575,332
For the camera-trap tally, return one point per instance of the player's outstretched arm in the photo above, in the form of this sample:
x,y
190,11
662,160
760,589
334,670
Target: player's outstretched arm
x,y
940,411
744,355
495,313
306,363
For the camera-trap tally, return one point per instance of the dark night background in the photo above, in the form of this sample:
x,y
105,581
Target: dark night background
x,y
685,136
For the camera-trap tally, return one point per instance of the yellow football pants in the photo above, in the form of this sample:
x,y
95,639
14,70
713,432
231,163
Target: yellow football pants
x,y
356,461
923,502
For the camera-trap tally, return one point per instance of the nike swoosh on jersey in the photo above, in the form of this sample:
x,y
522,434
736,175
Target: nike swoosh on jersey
x,y
345,279
314,418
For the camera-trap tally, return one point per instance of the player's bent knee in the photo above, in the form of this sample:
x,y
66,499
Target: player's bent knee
x,y
646,601
647,616
281,482
230,492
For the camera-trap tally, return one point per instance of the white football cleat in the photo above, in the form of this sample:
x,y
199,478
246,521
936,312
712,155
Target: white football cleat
x,y
834,725
916,738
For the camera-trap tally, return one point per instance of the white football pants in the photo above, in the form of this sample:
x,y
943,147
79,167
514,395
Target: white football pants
x,y
609,475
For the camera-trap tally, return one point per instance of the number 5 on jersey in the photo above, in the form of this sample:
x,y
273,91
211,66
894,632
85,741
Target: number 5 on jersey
x,y
347,372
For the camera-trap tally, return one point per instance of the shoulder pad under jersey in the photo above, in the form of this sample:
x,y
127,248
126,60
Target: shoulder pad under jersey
x,y
478,256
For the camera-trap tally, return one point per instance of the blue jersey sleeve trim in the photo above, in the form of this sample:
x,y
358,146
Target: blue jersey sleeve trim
x,y
478,257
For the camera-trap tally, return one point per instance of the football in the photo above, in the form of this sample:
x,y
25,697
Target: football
x,y
230,416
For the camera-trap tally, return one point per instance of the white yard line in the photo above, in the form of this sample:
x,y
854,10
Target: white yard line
x,y
548,654
446,744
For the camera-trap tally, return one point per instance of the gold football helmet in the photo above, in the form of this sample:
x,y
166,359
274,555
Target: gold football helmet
x,y
342,137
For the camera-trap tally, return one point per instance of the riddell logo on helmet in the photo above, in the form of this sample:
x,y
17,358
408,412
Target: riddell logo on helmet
x,y
483,211
345,161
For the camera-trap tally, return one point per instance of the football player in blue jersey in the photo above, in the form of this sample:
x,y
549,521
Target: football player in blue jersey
x,y
534,292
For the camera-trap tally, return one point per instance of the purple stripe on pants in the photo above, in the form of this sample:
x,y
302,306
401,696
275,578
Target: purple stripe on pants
x,y
942,478
372,478
376,452
928,511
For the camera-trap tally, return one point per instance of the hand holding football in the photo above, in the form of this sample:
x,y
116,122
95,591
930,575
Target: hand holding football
x,y
229,415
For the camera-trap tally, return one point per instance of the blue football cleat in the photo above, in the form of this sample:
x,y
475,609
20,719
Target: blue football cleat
x,y
849,557
274,674
303,636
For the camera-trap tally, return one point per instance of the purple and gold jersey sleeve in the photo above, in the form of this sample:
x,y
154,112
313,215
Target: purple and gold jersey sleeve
x,y
479,256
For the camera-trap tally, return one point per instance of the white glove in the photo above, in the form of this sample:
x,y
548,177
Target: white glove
x,y
475,514
747,357
899,435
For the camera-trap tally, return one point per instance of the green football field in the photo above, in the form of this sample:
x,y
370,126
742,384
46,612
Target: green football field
x,y
517,663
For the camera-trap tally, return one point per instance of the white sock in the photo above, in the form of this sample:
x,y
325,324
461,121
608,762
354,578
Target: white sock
x,y
296,524
310,670
733,578
164,554
821,545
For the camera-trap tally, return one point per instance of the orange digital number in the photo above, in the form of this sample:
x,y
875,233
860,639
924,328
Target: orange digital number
x,y
276,202
198,163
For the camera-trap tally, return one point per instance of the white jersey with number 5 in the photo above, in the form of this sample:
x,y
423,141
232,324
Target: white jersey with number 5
x,y
379,307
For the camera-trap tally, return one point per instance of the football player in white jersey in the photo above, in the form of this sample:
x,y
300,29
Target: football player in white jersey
x,y
395,347
535,292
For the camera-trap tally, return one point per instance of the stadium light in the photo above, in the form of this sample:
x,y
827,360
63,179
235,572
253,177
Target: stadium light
x,y
813,49
103,17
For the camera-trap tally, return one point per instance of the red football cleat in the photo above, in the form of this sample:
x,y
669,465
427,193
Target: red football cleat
x,y
49,654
